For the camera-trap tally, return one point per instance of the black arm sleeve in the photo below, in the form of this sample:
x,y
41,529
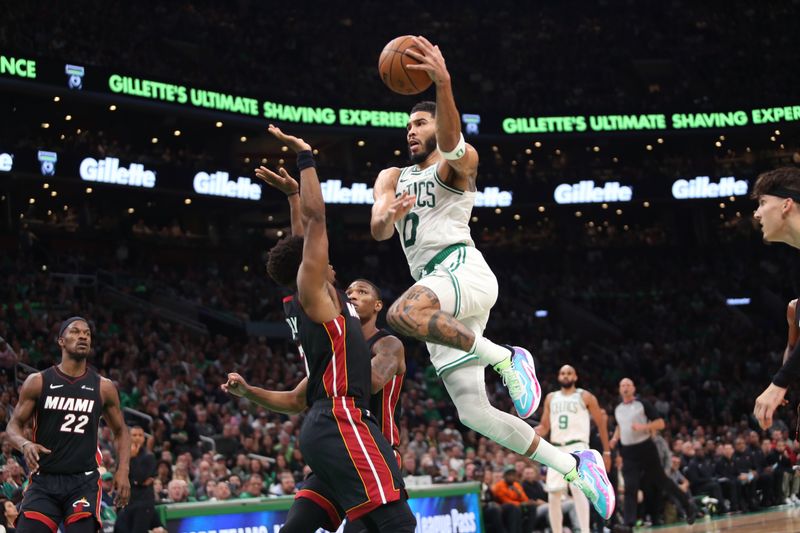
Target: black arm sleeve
x,y
650,411
790,371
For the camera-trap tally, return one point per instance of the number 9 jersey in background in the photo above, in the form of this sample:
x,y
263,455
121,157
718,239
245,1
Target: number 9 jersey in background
x,y
66,420
569,419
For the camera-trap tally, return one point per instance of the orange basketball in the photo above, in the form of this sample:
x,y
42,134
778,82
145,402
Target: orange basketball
x,y
392,67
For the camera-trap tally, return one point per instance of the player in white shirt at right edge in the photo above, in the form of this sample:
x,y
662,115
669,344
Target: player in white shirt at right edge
x,y
566,418
429,204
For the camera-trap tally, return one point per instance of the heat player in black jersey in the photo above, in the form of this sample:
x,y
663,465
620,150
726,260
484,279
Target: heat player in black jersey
x,y
339,439
66,402
317,508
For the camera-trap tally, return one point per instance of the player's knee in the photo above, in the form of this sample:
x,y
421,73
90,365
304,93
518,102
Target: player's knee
x,y
473,418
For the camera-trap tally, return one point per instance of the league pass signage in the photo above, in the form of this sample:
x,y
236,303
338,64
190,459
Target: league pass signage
x,y
586,192
703,187
434,514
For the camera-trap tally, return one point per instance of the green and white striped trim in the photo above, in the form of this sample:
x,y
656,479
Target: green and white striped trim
x,y
461,258
443,184
470,356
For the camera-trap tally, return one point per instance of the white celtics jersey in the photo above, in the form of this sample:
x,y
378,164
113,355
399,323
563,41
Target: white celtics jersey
x,y
439,218
569,418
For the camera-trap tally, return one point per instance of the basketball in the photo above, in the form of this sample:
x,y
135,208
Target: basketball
x,y
392,67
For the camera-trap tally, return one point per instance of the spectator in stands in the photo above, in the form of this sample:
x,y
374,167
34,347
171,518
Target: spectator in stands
x,y
701,471
137,516
183,436
677,476
410,463
8,453
14,481
746,475
208,490
419,445
107,483
790,479
164,471
492,512
204,425
727,473
177,491
8,357
9,517
515,504
253,488
220,468
285,486
534,488
228,443
222,491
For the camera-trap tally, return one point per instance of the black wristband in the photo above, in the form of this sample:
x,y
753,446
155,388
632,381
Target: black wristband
x,y
305,159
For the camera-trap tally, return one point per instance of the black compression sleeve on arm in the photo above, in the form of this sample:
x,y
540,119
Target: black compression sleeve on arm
x,y
790,371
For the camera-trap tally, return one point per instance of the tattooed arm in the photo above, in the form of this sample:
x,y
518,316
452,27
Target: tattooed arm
x,y
417,313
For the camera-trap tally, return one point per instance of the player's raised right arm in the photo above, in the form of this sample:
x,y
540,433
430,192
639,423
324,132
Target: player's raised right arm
x,y
284,182
387,208
28,395
312,277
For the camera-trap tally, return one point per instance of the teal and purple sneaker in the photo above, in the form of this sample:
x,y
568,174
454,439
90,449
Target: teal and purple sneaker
x,y
590,476
520,378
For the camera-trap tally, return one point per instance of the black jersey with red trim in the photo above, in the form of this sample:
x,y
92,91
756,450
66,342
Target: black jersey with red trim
x,y
336,355
385,404
66,420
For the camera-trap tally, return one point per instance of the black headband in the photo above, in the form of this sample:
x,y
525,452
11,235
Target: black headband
x,y
783,192
67,322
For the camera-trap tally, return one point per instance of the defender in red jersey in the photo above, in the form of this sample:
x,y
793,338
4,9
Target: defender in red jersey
x,y
339,438
65,403
388,372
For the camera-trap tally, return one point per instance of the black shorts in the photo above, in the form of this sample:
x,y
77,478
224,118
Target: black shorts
x,y
356,466
56,498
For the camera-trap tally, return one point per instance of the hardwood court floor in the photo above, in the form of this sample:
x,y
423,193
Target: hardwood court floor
x,y
781,520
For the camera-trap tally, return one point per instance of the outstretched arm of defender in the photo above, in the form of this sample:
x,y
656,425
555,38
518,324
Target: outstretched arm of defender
x,y
387,208
28,395
389,360
461,157
122,440
312,276
285,183
286,402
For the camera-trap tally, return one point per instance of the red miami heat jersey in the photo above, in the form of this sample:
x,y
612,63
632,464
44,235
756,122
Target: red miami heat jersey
x,y
66,420
335,353
385,404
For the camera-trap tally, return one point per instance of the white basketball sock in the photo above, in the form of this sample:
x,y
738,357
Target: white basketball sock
x,y
548,454
490,353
